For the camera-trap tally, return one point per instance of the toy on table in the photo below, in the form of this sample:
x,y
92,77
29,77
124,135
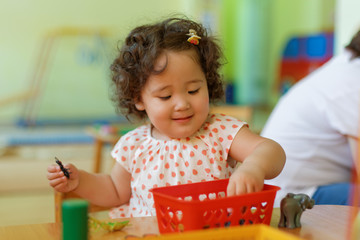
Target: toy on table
x,y
291,208
107,225
75,219
63,169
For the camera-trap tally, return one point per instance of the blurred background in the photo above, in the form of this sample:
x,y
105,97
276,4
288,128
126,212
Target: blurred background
x,y
54,75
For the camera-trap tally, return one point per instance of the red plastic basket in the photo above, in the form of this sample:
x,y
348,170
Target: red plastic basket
x,y
205,205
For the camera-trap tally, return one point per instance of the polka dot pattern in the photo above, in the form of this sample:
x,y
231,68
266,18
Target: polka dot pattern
x,y
158,163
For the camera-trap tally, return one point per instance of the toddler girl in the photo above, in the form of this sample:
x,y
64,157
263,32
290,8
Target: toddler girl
x,y
168,73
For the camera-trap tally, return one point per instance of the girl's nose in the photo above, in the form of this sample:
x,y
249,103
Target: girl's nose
x,y
181,103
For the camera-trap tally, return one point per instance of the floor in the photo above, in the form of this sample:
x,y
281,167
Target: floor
x,y
25,196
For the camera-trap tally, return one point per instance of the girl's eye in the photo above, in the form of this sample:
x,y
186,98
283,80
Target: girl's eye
x,y
165,98
194,91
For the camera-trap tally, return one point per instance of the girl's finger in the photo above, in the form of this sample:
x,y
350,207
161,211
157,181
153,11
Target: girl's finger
x,y
60,187
53,168
240,188
230,190
55,175
250,188
56,181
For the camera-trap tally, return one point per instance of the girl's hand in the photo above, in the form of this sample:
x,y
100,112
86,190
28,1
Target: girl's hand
x,y
61,183
247,178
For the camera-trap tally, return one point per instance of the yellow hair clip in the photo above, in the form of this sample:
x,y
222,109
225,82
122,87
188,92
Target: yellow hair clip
x,y
194,39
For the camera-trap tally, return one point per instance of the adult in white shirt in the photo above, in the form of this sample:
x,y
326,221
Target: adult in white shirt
x,y
317,124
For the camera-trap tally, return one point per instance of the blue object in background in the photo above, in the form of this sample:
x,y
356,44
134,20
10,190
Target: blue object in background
x,y
292,48
312,47
229,93
319,46
302,55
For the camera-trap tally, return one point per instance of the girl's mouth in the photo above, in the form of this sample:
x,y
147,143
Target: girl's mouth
x,y
183,119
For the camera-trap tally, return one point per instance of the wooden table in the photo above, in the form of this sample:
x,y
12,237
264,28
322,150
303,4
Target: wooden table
x,y
323,222
328,222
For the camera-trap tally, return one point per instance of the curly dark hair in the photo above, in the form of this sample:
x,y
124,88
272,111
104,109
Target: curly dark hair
x,y
145,44
354,45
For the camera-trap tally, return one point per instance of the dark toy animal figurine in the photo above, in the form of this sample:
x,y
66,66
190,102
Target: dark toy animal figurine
x,y
63,169
291,208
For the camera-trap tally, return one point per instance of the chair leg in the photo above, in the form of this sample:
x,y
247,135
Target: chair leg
x,y
59,197
98,155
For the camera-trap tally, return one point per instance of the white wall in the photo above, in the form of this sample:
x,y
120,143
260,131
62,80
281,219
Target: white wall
x,y
24,24
347,22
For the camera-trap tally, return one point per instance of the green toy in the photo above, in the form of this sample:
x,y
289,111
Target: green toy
x,y
107,225
74,219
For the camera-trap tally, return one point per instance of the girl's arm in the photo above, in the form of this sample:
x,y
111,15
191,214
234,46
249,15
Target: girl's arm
x,y
261,158
103,189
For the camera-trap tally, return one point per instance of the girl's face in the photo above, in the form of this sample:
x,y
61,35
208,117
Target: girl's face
x,y
176,100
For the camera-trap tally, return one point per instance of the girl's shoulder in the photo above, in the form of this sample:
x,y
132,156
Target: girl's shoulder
x,y
219,125
220,119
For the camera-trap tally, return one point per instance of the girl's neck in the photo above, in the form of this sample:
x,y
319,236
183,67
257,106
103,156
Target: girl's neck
x,y
157,135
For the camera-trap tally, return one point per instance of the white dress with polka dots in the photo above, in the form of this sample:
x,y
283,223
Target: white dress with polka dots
x,y
157,163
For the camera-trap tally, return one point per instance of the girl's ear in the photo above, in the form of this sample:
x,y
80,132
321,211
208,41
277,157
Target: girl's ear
x,y
140,105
